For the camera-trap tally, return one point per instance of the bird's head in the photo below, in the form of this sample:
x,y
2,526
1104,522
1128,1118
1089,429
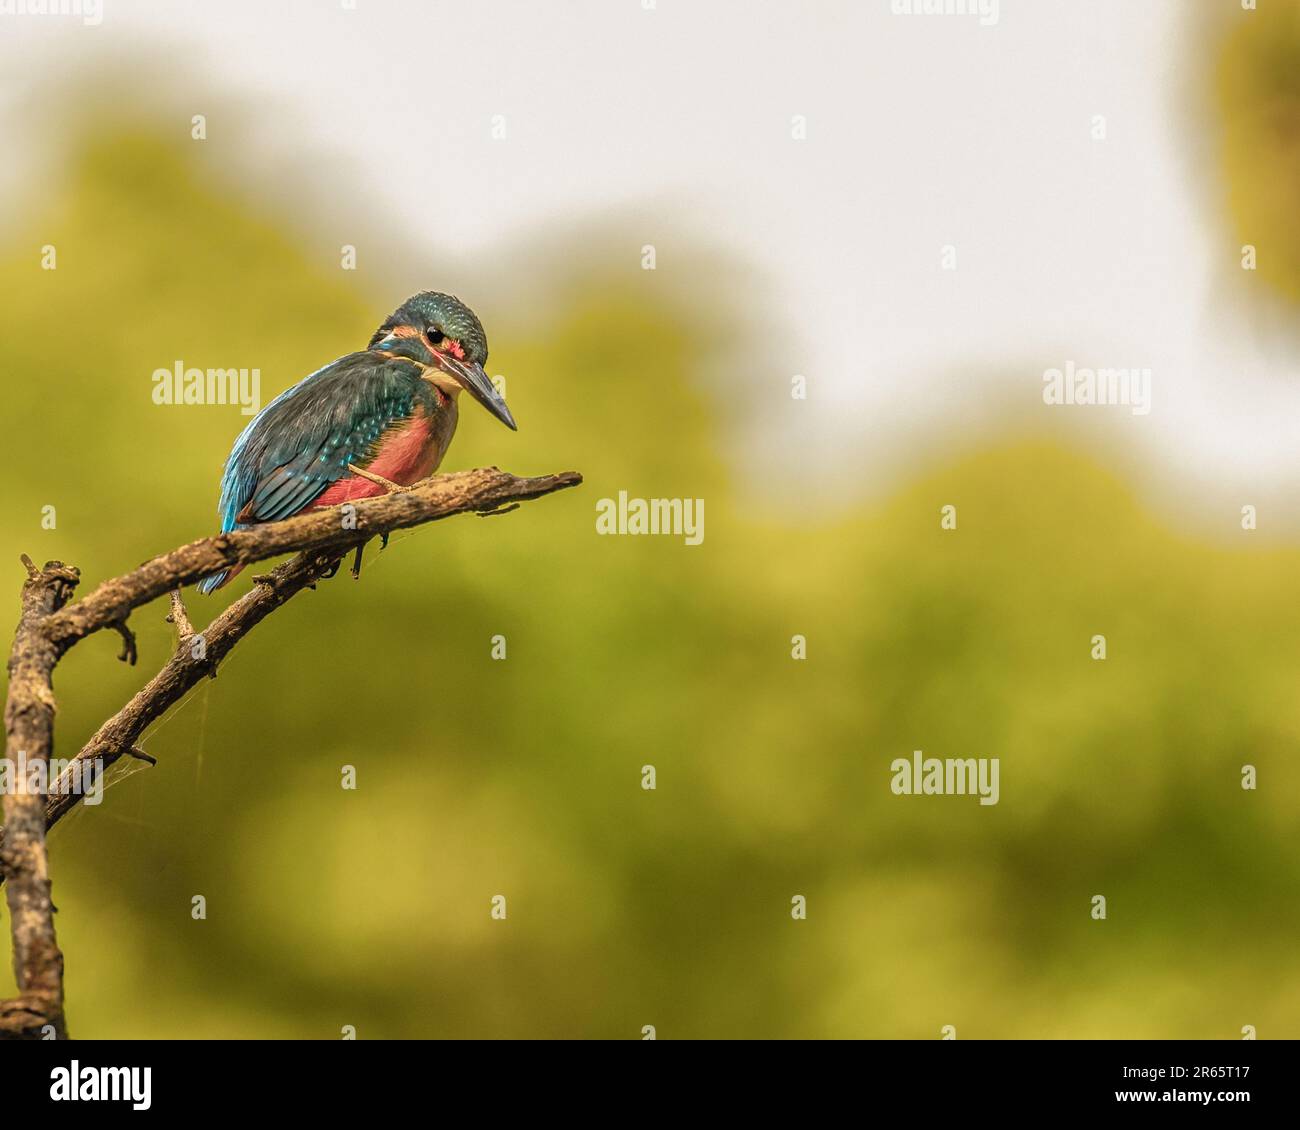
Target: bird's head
x,y
443,333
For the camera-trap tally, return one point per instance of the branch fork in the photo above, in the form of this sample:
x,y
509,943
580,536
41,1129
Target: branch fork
x,y
50,623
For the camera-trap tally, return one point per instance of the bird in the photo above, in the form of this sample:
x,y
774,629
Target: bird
x,y
367,424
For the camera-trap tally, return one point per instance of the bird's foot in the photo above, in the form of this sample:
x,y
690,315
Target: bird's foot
x,y
389,486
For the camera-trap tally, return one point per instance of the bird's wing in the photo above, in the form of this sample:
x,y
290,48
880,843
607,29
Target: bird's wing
x,y
306,438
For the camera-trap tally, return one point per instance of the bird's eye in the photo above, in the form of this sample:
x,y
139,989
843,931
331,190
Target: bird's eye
x,y
435,336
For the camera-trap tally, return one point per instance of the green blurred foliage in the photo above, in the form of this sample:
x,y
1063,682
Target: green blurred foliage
x,y
476,778
1258,91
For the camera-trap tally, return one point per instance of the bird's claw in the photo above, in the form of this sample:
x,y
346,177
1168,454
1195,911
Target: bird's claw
x,y
389,486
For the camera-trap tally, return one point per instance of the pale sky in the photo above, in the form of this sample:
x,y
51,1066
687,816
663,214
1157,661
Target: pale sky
x,y
921,131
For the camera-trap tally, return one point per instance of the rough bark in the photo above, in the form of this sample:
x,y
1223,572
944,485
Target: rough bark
x,y
29,740
49,625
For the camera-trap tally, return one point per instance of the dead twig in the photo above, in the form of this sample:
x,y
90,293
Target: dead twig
x,y
49,624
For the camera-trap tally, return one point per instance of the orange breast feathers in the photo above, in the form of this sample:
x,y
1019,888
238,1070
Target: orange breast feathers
x,y
407,453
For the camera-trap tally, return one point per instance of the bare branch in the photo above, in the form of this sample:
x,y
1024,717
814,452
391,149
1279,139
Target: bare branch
x,y
187,667
29,739
130,653
438,497
49,625
180,617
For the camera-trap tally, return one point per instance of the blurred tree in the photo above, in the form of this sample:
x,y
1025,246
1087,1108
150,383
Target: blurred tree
x,y
1259,98
479,777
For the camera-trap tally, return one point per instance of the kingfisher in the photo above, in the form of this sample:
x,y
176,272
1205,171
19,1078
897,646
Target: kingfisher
x,y
367,424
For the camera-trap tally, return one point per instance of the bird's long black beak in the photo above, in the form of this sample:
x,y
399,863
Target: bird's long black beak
x,y
475,380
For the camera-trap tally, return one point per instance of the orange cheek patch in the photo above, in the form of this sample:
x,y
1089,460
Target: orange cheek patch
x,y
455,349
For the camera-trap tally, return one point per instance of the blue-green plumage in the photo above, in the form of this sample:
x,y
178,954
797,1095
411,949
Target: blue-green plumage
x,y
399,392
308,438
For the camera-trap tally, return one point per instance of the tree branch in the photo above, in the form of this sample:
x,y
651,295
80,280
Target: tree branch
x,y
29,739
188,666
483,490
49,625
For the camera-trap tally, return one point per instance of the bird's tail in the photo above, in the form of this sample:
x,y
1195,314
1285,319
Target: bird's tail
x,y
214,581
